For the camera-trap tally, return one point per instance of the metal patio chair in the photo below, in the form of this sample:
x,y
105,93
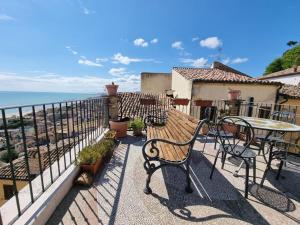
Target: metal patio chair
x,y
234,146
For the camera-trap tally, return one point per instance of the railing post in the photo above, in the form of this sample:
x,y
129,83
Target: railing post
x,y
250,106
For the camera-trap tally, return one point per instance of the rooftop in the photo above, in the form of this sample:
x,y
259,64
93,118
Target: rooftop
x,y
282,73
219,73
292,91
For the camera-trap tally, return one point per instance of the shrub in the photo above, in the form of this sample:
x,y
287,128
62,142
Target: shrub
x,y
137,124
110,134
90,154
5,156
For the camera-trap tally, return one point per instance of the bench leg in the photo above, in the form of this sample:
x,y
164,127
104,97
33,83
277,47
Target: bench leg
x,y
188,188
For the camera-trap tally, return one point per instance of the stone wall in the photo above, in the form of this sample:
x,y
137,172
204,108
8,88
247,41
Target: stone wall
x,y
155,83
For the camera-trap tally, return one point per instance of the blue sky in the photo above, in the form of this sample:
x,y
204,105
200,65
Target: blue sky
x,y
79,45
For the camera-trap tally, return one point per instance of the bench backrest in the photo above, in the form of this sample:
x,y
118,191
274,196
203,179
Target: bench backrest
x,y
182,123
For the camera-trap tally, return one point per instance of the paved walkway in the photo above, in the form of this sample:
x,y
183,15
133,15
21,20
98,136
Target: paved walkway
x,y
117,194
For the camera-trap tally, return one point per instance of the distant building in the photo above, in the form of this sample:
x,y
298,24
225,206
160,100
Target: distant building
x,y
289,76
155,83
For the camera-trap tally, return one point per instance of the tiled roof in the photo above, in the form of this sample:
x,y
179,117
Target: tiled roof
x,y
292,91
218,75
282,73
20,171
134,105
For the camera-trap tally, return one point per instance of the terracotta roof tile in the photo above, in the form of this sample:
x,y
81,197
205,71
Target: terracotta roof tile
x,y
282,73
218,75
292,91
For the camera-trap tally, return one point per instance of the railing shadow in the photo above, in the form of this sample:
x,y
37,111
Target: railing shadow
x,y
217,193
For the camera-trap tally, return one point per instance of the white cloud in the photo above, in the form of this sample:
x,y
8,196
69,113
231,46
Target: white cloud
x,y
201,62
119,58
5,17
154,41
140,42
88,63
195,38
211,42
71,50
177,45
102,59
63,83
239,60
117,71
226,61
86,11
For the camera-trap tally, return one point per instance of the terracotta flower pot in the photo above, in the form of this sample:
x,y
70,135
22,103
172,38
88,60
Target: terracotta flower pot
x,y
92,168
234,94
112,89
181,101
119,127
203,103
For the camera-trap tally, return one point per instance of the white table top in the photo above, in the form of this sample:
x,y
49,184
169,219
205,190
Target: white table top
x,y
268,124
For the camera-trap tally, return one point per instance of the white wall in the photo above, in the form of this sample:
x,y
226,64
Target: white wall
x,y
292,79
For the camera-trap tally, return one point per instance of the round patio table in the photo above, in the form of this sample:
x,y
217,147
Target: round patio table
x,y
270,126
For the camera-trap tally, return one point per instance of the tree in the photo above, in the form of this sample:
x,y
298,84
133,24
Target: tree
x,y
292,43
288,59
275,66
5,156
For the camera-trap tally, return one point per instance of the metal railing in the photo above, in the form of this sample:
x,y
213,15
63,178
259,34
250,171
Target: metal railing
x,y
40,142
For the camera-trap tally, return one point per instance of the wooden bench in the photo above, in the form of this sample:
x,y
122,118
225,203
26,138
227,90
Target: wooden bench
x,y
170,144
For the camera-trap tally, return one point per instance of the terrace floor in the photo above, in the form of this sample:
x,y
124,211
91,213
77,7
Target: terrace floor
x,y
117,197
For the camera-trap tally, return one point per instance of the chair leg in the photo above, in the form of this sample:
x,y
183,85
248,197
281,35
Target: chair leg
x,y
204,144
188,188
254,170
214,165
279,170
223,159
247,179
215,147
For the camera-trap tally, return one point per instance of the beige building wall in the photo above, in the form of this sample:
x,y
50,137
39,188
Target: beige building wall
x,y
155,83
218,91
182,87
20,184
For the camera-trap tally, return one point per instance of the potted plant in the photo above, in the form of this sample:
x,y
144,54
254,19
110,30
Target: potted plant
x,y
204,129
110,135
112,89
91,158
120,126
233,94
137,126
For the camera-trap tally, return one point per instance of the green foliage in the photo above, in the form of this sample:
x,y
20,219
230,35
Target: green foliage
x,y
111,134
5,156
275,66
90,154
289,59
137,124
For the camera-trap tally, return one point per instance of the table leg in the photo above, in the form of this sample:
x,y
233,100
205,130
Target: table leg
x,y
268,165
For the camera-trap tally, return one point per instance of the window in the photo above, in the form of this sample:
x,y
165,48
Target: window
x,y
8,191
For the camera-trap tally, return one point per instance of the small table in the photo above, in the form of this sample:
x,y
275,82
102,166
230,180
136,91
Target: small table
x,y
270,126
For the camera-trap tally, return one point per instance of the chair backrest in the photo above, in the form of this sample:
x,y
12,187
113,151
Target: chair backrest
x,y
228,129
284,116
210,113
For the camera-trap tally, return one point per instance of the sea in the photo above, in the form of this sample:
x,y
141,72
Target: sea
x,y
15,98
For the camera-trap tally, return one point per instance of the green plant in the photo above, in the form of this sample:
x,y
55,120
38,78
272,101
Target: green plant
x,y
137,124
5,156
90,154
111,134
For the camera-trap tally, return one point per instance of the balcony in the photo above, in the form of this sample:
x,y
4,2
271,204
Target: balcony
x,y
116,196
